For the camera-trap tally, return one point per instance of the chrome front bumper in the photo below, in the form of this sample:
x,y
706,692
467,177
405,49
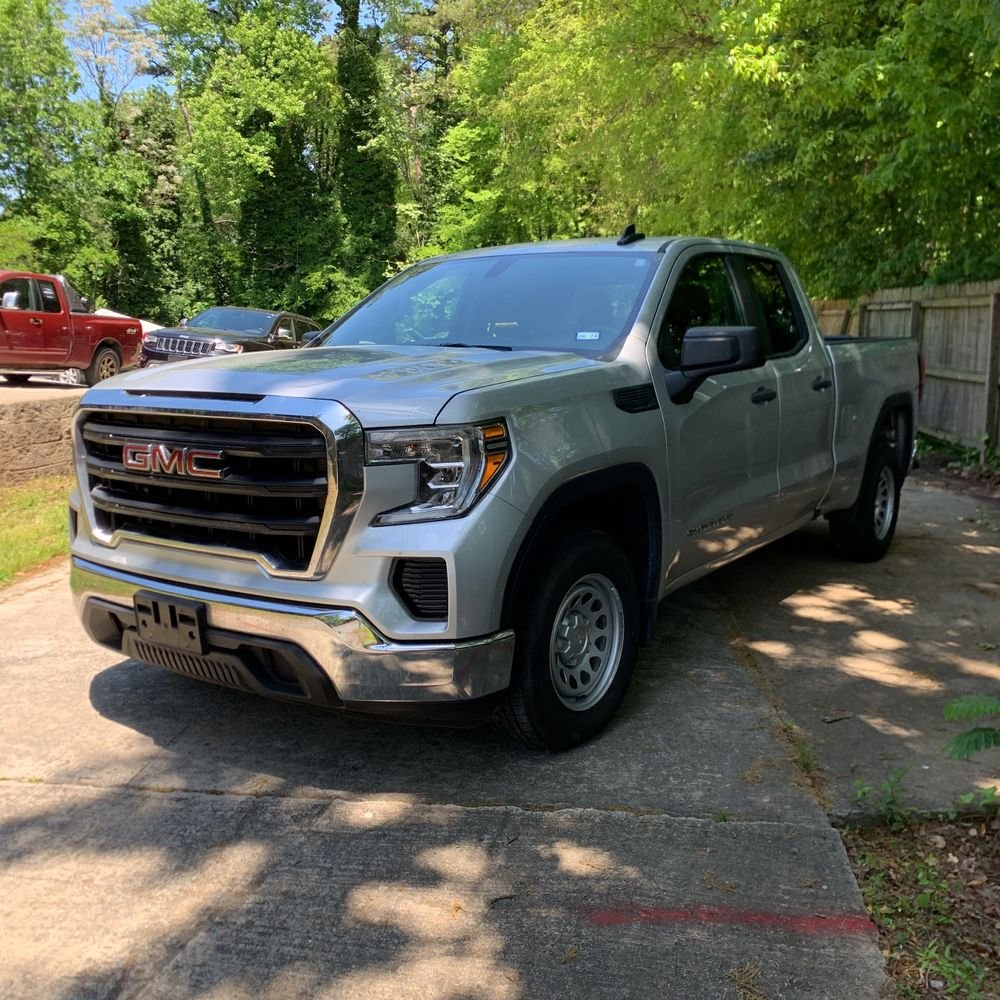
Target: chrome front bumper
x,y
362,665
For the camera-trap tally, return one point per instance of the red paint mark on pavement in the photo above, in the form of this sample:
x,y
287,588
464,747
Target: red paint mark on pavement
x,y
813,924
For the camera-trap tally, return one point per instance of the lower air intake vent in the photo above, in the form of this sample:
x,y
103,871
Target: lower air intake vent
x,y
422,585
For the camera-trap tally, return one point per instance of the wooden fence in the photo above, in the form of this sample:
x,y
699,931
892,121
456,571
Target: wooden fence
x,y
958,327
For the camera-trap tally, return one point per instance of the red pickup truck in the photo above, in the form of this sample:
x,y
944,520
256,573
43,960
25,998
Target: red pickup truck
x,y
45,325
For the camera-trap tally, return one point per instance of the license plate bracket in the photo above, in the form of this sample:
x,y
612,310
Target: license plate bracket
x,y
170,621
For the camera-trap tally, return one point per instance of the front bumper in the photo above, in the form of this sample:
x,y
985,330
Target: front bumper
x,y
326,656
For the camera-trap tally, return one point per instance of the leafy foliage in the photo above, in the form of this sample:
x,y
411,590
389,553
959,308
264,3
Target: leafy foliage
x,y
979,738
195,151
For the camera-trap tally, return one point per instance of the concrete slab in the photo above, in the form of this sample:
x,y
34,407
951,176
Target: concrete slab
x,y
119,893
864,657
38,387
159,837
695,738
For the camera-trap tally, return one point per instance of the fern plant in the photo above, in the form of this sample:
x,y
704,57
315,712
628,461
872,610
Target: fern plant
x,y
971,707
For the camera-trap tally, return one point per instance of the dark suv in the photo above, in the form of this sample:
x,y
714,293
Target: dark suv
x,y
227,330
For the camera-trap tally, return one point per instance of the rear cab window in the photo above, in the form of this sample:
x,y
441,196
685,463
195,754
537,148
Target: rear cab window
x,y
49,296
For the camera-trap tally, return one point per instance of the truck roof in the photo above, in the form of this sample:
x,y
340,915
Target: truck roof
x,y
648,244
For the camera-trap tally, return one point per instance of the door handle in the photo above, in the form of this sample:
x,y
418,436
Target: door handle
x,y
35,321
821,382
763,395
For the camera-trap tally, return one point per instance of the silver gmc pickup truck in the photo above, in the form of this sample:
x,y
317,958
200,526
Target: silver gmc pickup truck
x,y
468,499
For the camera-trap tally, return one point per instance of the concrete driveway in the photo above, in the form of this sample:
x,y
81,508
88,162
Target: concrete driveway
x,y
164,838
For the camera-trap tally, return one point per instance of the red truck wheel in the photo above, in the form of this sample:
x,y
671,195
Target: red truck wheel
x,y
105,364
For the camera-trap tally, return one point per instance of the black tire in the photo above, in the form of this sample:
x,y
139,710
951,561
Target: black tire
x,y
864,533
576,635
104,364
17,378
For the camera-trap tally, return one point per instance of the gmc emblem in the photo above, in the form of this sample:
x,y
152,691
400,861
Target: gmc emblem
x,y
153,458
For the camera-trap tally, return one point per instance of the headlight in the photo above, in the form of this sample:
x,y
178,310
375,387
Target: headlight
x,y
148,340
455,466
225,347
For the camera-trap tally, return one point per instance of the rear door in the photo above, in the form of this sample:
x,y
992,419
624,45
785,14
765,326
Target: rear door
x,y
722,446
57,332
804,373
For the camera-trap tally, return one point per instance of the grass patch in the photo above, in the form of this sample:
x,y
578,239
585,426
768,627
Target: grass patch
x,y
32,524
930,889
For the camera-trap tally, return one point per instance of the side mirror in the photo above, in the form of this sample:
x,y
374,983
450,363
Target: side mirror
x,y
183,321
713,350
309,336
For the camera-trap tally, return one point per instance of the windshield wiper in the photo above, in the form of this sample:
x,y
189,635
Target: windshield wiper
x,y
488,347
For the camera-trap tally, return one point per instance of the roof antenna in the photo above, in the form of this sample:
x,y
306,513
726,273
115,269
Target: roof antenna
x,y
629,235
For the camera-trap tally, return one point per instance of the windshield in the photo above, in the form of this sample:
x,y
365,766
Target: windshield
x,y
250,321
584,302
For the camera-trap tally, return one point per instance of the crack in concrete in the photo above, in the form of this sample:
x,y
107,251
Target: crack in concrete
x,y
636,812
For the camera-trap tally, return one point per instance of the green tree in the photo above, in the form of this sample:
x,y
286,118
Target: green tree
x,y
365,170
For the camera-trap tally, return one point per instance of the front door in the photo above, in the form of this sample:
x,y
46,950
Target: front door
x,y
21,329
722,446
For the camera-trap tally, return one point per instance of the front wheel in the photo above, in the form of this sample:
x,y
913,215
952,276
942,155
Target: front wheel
x,y
864,533
576,634
105,364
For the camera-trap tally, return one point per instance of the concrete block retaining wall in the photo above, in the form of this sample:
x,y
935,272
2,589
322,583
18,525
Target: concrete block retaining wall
x,y
35,438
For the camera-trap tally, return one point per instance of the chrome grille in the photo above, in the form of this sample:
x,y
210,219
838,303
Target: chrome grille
x,y
269,501
185,345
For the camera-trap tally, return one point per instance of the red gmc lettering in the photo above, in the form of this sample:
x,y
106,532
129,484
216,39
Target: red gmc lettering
x,y
160,458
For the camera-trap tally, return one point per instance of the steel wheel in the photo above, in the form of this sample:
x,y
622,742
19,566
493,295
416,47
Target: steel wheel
x,y
586,642
576,629
865,531
885,502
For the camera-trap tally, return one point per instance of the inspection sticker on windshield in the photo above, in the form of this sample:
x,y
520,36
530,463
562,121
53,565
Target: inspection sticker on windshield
x,y
588,335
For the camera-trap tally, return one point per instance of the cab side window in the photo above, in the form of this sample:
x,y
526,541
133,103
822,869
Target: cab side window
x,y
50,299
784,327
703,296
15,293
302,328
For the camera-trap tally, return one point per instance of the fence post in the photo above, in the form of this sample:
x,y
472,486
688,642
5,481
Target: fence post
x,y
917,323
992,430
845,323
862,319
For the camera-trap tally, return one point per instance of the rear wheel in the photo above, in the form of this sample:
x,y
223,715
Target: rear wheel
x,y
105,364
576,635
864,533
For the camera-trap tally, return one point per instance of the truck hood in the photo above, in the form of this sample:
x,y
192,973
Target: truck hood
x,y
382,386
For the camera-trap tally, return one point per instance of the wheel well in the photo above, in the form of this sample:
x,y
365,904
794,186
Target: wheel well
x,y
895,427
623,503
113,344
